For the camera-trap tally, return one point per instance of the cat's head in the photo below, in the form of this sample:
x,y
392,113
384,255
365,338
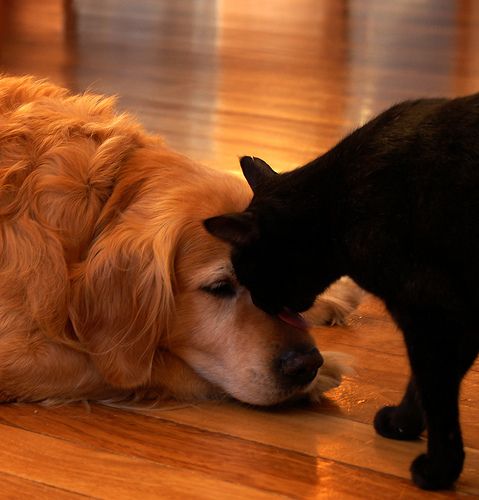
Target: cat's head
x,y
266,255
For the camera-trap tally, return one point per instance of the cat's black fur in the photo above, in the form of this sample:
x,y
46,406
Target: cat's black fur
x,y
395,205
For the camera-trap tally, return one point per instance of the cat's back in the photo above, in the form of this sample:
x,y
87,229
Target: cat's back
x,y
439,159
412,181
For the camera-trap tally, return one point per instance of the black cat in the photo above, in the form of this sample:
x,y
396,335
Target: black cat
x,y
395,205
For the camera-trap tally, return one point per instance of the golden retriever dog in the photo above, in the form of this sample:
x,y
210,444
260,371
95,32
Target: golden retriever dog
x,y
111,290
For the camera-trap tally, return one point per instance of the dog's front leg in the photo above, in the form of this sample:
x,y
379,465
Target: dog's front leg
x,y
174,379
336,303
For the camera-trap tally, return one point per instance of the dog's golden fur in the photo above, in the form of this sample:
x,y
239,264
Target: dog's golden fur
x,y
104,264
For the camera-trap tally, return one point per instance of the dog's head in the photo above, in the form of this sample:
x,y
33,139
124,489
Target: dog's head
x,y
155,279
216,329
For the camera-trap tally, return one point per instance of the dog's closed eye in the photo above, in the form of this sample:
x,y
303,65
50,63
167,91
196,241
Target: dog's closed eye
x,y
222,289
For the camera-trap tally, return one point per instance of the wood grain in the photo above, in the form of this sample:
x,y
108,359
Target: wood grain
x,y
282,80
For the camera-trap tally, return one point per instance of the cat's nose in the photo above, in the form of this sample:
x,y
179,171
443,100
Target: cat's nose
x,y
299,366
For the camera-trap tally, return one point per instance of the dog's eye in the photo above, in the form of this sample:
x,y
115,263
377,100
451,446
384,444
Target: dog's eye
x,y
223,289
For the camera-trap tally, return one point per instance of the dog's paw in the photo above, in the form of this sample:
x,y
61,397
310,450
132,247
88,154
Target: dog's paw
x,y
335,366
335,304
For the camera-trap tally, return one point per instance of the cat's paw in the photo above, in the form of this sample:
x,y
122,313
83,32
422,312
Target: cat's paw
x,y
430,474
330,375
335,304
393,423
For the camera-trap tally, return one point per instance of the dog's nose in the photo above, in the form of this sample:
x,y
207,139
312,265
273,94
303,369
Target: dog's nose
x,y
300,366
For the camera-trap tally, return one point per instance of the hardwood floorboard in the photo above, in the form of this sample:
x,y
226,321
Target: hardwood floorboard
x,y
212,449
319,435
218,79
85,470
12,487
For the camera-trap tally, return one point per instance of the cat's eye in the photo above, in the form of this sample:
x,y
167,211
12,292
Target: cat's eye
x,y
221,289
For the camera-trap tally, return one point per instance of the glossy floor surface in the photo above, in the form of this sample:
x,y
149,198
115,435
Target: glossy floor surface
x,y
278,79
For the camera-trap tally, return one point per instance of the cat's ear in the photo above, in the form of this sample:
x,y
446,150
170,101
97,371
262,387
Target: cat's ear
x,y
239,229
256,171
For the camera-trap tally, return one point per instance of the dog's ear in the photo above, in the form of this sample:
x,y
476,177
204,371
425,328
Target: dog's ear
x,y
256,171
122,300
239,229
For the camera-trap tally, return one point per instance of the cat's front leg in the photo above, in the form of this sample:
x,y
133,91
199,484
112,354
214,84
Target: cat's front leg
x,y
405,421
435,346
442,464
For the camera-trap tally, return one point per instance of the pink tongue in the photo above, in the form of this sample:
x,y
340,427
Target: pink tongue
x,y
293,319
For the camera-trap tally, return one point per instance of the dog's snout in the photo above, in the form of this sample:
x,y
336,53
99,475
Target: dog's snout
x,y
300,366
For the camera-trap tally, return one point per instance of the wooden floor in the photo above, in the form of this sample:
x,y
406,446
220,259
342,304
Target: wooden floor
x,y
278,79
